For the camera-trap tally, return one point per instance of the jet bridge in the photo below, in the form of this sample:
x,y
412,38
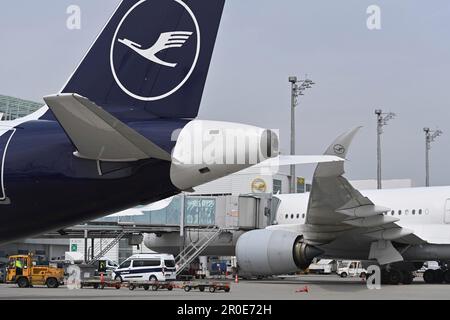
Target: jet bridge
x,y
250,211
257,211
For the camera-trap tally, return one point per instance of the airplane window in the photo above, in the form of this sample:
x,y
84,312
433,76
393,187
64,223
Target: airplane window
x,y
399,212
406,212
427,211
303,216
420,211
292,216
298,216
286,216
414,212
392,212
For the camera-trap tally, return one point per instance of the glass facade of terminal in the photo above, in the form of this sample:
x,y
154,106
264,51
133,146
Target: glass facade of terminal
x,y
13,108
199,211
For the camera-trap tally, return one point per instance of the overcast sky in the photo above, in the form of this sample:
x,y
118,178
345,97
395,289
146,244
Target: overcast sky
x,y
404,68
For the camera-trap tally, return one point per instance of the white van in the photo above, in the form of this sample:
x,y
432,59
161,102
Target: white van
x,y
323,266
146,267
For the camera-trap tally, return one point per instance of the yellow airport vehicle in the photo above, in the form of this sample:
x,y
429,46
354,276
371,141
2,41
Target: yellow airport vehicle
x,y
22,269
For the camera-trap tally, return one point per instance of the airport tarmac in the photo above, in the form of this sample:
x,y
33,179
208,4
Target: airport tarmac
x,y
319,287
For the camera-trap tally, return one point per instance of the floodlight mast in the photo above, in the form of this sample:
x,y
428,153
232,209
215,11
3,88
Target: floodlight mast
x,y
382,120
430,136
297,89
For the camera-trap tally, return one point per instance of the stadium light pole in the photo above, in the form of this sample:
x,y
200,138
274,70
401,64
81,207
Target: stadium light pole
x,y
430,136
382,120
297,89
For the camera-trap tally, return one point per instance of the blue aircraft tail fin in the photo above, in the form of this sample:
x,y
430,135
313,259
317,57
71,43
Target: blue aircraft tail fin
x,y
151,60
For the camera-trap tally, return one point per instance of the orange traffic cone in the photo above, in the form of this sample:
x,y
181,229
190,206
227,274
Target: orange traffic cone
x,y
304,289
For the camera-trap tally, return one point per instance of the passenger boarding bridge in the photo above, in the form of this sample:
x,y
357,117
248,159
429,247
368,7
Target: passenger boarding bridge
x,y
210,218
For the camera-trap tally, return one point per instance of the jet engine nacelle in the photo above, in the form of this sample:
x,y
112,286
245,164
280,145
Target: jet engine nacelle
x,y
208,150
273,252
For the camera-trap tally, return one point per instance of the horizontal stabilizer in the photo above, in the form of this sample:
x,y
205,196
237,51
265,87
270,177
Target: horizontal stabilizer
x,y
98,135
290,160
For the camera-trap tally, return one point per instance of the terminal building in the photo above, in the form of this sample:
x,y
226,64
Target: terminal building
x,y
212,211
13,108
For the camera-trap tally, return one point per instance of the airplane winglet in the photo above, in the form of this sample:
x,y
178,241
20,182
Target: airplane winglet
x,y
339,148
97,134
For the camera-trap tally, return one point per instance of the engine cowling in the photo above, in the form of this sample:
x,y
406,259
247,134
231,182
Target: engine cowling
x,y
209,150
273,252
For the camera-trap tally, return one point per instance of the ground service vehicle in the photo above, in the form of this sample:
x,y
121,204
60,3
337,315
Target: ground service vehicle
x,y
351,269
323,266
24,271
146,267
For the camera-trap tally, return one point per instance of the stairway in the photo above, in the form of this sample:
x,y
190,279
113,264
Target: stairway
x,y
194,249
106,249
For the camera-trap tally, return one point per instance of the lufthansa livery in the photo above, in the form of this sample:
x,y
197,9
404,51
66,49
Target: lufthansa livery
x,y
396,229
119,133
104,142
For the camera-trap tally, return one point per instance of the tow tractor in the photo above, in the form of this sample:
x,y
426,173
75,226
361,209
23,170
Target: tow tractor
x,y
23,271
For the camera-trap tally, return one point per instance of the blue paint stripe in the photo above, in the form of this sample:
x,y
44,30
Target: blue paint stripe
x,y
146,270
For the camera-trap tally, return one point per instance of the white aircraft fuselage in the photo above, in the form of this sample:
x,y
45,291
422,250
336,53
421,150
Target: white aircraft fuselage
x,y
423,211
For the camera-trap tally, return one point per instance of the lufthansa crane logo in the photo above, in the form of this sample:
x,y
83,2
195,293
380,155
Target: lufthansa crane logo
x,y
339,149
169,57
259,185
165,41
